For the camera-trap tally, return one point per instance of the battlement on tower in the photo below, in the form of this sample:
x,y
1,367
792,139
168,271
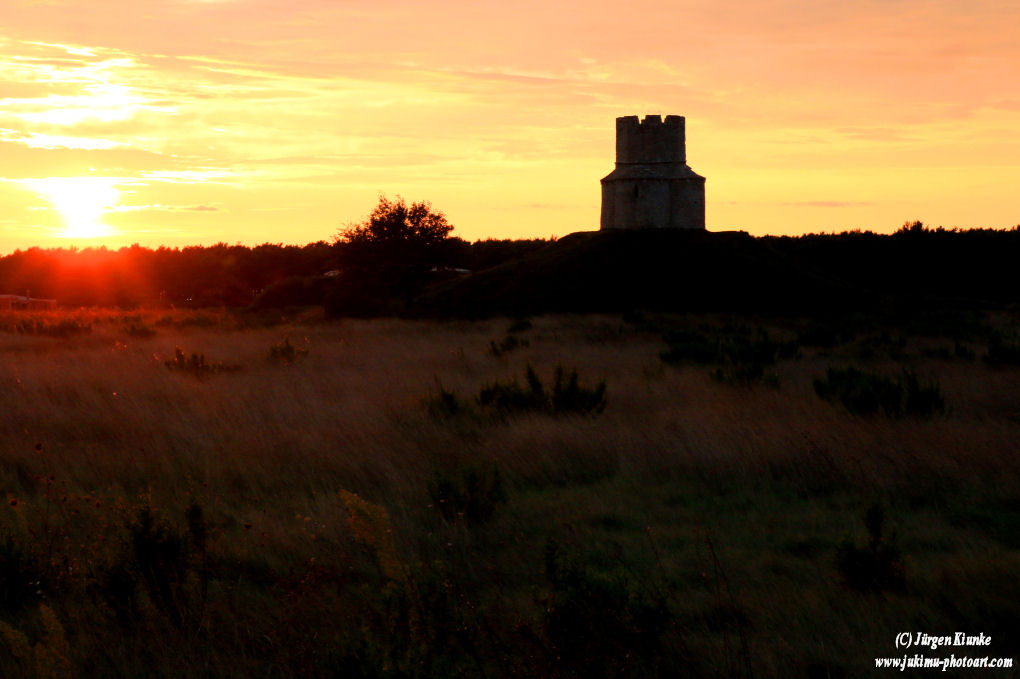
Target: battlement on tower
x,y
652,140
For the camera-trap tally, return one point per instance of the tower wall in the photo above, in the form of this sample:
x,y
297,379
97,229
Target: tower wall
x,y
653,204
652,187
687,204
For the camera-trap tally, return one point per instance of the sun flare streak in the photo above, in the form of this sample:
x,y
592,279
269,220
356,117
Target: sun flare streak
x,y
81,201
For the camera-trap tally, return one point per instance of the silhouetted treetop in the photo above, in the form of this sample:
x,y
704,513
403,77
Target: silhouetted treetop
x,y
393,221
389,257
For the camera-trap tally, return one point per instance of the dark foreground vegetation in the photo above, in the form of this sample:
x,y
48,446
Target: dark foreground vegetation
x,y
642,495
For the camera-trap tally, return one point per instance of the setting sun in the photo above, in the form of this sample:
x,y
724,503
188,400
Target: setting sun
x,y
81,201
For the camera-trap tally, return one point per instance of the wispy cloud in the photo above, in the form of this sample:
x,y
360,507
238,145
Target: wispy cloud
x,y
164,208
805,203
829,203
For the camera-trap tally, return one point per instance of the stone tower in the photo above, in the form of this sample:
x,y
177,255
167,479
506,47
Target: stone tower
x,y
652,187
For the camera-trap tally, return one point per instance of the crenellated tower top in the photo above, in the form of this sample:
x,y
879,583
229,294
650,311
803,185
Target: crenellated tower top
x,y
652,140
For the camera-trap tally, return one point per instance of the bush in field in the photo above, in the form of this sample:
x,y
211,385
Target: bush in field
x,y
864,393
140,330
166,563
471,492
511,341
196,365
861,393
1003,351
513,397
285,352
506,345
742,356
691,347
51,326
726,345
959,352
520,325
444,404
601,622
875,566
922,400
745,373
567,395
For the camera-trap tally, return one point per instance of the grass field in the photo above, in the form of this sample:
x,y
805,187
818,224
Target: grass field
x,y
312,498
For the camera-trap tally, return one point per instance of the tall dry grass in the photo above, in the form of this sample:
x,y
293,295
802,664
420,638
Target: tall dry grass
x,y
734,496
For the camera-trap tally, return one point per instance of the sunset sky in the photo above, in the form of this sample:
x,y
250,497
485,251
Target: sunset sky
x,y
177,122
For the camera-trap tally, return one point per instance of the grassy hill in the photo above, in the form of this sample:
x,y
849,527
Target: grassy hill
x,y
696,271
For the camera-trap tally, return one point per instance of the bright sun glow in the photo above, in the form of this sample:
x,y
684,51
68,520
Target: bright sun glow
x,y
81,201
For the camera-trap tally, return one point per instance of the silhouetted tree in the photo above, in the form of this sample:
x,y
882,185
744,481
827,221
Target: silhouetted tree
x,y
387,258
914,227
396,235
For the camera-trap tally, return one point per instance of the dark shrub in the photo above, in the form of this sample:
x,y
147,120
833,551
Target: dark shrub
x,y
745,373
506,345
691,346
864,393
140,330
920,399
1003,351
285,352
876,566
742,356
520,325
567,396
601,622
471,492
444,404
166,560
63,328
512,397
959,352
195,364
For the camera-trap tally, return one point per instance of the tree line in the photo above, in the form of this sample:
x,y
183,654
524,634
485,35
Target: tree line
x,y
384,264
394,252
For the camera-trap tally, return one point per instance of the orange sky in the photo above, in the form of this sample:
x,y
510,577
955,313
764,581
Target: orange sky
x,y
197,121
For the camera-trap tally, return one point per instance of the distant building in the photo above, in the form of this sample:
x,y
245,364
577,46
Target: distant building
x,y
652,187
25,303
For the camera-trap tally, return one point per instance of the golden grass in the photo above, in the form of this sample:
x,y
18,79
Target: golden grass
x,y
690,478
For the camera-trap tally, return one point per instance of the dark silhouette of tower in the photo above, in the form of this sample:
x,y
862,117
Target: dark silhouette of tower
x,y
652,187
